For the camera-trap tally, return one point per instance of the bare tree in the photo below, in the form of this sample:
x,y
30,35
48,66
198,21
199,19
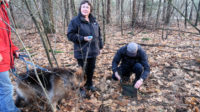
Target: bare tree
x,y
122,15
186,14
133,13
118,10
98,9
197,17
158,13
104,21
164,10
191,12
67,15
12,14
73,9
94,8
151,9
144,10
48,19
138,8
108,12
169,10
133,16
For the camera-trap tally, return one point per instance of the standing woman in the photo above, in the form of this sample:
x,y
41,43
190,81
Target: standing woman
x,y
84,32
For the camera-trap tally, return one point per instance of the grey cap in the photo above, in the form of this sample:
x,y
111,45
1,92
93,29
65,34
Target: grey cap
x,y
132,49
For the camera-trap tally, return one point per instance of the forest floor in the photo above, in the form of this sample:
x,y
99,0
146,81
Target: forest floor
x,y
172,86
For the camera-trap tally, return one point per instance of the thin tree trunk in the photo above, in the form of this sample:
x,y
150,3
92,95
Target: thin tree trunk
x,y
67,15
94,8
104,21
194,5
178,25
133,13
197,17
158,13
144,10
48,19
12,14
138,9
151,9
169,9
73,9
98,9
191,12
118,10
122,15
186,14
108,12
164,10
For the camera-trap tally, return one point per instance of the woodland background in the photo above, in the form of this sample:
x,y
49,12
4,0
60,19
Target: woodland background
x,y
167,29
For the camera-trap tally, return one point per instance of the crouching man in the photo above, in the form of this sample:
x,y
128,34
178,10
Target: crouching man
x,y
133,60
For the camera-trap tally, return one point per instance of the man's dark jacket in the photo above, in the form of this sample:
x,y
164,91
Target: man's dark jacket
x,y
78,29
128,62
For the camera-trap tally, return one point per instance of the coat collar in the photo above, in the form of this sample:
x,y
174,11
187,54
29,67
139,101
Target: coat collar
x,y
91,17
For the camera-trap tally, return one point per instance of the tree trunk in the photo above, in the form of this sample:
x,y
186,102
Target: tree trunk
x,y
94,8
118,10
194,5
138,9
48,19
158,13
144,10
186,14
151,9
133,13
73,9
169,9
108,12
67,15
12,14
98,9
133,16
164,10
104,21
197,17
191,12
122,15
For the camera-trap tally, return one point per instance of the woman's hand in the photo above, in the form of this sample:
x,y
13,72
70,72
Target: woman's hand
x,y
88,38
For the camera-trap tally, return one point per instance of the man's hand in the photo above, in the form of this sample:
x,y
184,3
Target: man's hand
x,y
117,76
1,58
138,83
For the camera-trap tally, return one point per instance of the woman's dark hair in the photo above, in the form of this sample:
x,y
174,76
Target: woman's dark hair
x,y
86,1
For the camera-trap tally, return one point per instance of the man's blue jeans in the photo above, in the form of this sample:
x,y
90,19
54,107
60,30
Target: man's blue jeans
x,y
6,94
